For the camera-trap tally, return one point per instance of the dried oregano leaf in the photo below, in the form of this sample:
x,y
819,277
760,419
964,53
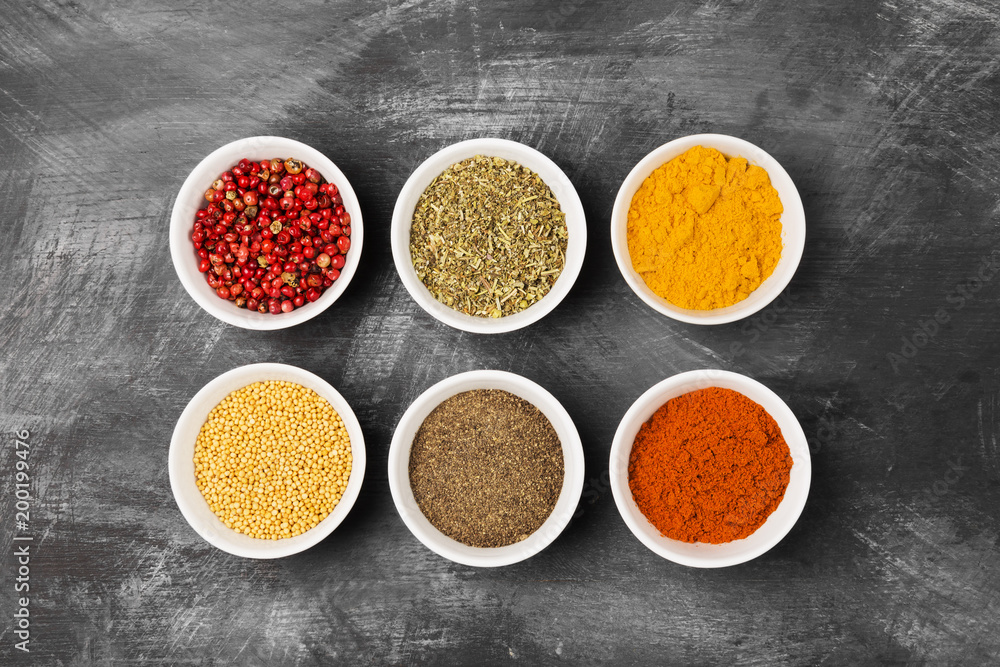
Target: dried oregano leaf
x,y
488,237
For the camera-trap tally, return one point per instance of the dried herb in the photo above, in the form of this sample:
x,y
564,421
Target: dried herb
x,y
488,237
486,468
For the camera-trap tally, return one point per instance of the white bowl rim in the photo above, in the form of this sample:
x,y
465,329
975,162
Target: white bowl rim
x,y
193,506
431,537
700,554
554,177
792,219
182,251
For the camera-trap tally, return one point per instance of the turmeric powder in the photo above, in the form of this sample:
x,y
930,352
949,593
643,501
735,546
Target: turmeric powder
x,y
703,231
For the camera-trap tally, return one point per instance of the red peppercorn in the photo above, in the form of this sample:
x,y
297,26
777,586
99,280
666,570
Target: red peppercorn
x,y
254,240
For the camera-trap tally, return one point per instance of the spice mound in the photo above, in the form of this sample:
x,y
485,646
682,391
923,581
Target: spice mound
x,y
486,468
488,237
704,231
709,466
272,459
274,235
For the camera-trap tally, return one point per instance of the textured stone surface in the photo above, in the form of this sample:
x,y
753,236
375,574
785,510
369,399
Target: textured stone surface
x,y
883,113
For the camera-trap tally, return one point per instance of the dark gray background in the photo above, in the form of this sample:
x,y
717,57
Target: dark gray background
x,y
884,114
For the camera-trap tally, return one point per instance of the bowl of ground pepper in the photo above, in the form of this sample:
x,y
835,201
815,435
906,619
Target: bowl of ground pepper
x,y
486,468
708,229
488,235
710,468
266,460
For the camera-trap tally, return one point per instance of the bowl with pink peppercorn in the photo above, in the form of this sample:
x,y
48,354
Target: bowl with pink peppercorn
x,y
266,233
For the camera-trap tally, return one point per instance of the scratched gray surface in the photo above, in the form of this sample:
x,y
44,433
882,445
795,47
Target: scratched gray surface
x,y
884,114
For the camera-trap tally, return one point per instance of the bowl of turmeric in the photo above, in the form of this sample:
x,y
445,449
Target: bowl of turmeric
x,y
708,229
710,469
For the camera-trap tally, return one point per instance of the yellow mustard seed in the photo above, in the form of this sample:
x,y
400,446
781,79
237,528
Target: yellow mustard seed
x,y
272,460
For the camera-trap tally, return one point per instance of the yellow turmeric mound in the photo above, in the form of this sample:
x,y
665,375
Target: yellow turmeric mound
x,y
703,231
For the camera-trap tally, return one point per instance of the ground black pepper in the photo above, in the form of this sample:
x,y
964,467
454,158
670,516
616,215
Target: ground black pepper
x,y
486,468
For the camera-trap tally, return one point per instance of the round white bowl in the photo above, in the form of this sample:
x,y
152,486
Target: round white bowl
x,y
701,554
399,469
181,463
558,182
191,197
793,228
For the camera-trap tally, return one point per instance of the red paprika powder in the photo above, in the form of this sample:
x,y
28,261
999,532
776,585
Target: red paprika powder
x,y
709,466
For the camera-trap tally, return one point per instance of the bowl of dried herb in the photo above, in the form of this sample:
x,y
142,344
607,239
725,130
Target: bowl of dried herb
x,y
488,235
486,468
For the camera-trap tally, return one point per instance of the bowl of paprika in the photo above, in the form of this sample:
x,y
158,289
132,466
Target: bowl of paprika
x,y
279,240
708,229
710,469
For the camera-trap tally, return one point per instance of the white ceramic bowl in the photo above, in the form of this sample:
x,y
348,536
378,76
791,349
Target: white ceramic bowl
x,y
181,462
191,198
558,182
399,469
793,228
699,554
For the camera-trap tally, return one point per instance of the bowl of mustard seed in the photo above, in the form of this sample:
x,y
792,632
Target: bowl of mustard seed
x,y
488,235
266,460
486,468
